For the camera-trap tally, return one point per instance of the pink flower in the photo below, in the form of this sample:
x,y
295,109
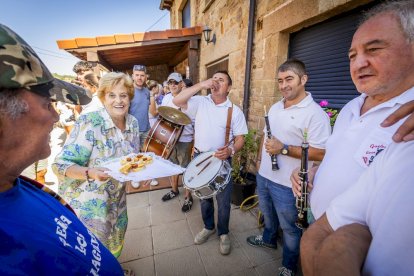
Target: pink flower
x,y
324,103
329,114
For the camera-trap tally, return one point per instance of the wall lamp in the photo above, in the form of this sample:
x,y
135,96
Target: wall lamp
x,y
207,35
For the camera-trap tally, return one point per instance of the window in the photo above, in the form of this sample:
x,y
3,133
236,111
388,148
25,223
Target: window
x,y
220,65
186,15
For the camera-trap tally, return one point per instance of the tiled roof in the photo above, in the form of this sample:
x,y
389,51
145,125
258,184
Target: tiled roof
x,y
83,42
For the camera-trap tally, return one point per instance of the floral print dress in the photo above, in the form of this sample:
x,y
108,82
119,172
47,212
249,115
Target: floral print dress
x,y
100,205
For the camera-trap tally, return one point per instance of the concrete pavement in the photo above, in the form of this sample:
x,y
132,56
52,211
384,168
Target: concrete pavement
x,y
160,237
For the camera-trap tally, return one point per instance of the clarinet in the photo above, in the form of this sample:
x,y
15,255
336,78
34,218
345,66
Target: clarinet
x,y
302,201
273,157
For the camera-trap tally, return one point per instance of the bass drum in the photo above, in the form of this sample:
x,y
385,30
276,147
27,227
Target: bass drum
x,y
165,132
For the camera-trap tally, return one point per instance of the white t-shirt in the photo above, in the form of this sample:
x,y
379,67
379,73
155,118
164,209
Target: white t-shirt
x,y
210,122
382,199
354,143
188,131
94,105
287,125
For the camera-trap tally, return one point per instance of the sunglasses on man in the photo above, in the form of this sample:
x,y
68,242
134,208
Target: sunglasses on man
x,y
171,82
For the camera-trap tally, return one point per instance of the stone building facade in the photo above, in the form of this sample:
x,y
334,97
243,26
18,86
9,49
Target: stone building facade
x,y
274,21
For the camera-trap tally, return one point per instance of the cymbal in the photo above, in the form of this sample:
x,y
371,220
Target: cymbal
x,y
174,115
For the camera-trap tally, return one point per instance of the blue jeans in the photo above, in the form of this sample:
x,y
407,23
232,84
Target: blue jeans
x,y
223,209
277,204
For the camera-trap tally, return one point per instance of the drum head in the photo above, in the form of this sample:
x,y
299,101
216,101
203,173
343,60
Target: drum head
x,y
197,176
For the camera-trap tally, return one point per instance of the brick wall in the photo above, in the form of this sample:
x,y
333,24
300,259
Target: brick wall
x,y
274,21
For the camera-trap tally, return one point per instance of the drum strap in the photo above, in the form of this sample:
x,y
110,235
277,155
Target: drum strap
x,y
228,124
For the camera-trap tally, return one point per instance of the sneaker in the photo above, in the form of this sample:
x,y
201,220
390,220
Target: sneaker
x,y
258,241
203,235
225,244
188,203
154,182
128,272
283,271
170,195
134,184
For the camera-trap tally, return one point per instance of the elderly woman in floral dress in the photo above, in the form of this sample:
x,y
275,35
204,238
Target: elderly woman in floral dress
x,y
99,200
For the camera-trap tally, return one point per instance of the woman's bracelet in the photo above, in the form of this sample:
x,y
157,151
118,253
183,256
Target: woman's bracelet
x,y
88,178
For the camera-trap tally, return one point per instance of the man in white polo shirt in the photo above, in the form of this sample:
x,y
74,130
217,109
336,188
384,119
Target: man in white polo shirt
x,y
382,66
210,113
181,153
379,204
382,69
288,120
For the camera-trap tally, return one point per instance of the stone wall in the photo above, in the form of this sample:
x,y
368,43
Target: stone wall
x,y
274,21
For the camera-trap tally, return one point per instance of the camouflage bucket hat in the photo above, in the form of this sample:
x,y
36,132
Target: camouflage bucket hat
x,y
20,67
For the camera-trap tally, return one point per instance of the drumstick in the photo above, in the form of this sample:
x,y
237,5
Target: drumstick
x,y
231,141
208,157
204,160
208,164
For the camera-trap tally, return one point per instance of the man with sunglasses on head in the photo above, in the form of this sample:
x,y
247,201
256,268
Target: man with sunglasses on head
x,y
181,153
142,102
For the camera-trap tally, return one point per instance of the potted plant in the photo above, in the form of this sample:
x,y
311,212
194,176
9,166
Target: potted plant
x,y
243,162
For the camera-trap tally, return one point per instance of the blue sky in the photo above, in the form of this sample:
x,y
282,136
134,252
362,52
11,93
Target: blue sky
x,y
42,22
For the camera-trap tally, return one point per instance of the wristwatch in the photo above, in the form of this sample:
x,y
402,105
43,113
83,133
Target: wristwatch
x,y
285,150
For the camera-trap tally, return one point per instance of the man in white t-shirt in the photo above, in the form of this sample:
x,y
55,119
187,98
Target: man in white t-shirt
x,y
181,154
382,66
210,113
289,118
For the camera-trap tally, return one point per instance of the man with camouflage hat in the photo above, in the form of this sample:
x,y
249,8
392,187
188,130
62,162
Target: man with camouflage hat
x,y
59,243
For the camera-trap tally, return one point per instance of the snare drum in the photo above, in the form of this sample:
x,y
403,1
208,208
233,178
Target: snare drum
x,y
207,175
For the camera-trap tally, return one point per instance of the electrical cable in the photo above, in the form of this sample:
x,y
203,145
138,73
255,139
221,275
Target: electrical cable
x,y
260,218
156,22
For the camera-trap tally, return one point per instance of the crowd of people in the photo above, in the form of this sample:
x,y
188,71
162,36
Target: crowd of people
x,y
358,175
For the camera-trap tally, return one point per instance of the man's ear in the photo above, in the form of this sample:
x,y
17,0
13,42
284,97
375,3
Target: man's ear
x,y
304,79
228,90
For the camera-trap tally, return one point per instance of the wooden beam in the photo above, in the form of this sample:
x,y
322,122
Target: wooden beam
x,y
180,56
94,56
193,61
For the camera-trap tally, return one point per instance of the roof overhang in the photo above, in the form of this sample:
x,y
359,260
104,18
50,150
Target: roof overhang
x,y
166,4
121,52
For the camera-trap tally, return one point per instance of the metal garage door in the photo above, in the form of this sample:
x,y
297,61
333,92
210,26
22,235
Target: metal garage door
x,y
324,49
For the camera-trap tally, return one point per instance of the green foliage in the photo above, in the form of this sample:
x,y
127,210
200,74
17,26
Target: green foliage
x,y
67,78
246,157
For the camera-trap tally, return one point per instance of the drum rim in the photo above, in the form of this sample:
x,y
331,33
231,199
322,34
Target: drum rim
x,y
221,165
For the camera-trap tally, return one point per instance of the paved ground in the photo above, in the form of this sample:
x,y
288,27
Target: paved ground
x,y
160,241
160,238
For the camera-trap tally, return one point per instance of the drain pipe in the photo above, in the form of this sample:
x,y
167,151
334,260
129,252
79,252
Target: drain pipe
x,y
248,69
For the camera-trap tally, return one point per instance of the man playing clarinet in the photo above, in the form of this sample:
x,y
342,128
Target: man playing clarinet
x,y
288,120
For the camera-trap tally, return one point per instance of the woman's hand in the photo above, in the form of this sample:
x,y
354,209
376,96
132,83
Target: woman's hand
x,y
98,173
